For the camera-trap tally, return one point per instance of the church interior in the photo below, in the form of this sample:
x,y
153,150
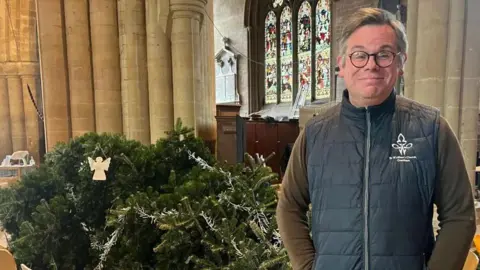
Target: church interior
x,y
244,75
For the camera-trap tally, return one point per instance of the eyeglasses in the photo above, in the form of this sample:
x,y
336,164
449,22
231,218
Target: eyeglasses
x,y
383,59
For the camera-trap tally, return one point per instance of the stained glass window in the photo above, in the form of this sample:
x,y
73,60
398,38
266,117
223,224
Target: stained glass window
x,y
277,3
286,49
322,50
304,49
310,73
270,58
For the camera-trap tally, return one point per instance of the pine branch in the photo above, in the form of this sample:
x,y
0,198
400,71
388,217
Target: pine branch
x,y
188,207
129,162
270,263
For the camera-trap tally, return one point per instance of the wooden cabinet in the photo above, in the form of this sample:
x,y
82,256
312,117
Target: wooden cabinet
x,y
226,149
262,137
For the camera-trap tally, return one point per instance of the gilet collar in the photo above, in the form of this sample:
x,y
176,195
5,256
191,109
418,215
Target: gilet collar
x,y
387,106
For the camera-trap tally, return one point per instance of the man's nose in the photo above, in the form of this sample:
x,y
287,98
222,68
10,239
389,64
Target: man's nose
x,y
371,64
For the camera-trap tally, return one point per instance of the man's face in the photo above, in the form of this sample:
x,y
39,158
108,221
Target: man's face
x,y
370,84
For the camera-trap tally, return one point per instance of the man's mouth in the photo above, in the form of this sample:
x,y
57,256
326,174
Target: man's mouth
x,y
372,78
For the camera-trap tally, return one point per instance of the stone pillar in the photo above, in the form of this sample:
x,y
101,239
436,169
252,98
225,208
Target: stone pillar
x,y
28,31
17,114
106,66
212,105
4,26
32,128
133,64
159,73
29,72
13,34
208,74
202,93
163,7
412,15
454,61
471,88
79,66
432,35
186,58
54,77
5,131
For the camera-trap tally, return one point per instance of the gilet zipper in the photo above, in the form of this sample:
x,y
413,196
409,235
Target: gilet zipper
x,y
366,195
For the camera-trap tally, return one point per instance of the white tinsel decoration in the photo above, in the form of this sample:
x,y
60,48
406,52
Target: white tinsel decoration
x,y
110,243
259,216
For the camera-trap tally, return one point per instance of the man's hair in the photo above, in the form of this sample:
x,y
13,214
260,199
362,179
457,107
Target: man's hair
x,y
373,16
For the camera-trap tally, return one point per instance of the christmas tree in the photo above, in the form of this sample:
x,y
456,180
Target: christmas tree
x,y
56,215
162,206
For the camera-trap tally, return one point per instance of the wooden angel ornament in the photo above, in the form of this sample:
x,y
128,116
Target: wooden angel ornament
x,y
99,166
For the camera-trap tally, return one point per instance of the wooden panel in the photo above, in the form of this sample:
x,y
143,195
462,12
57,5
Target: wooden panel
x,y
226,148
264,138
228,109
287,134
251,138
226,140
267,142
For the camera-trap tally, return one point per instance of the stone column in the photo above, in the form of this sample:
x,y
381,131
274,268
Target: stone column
x,y
159,73
133,64
471,88
201,93
163,7
106,66
32,128
13,30
432,35
454,61
210,56
412,15
28,32
4,43
53,66
186,58
5,131
207,128
79,66
17,114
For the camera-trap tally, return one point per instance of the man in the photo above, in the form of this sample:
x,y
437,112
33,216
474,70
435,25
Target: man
x,y
373,166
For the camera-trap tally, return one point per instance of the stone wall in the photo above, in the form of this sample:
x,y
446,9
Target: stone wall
x,y
229,19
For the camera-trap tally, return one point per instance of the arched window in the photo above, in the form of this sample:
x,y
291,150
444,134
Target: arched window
x,y
297,51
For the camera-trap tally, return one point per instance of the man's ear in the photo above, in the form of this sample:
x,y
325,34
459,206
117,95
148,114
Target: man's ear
x,y
403,60
340,65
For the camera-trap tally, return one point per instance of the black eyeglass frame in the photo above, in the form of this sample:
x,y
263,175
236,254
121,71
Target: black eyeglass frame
x,y
374,58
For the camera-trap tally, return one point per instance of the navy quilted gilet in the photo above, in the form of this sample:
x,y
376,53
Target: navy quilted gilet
x,y
371,174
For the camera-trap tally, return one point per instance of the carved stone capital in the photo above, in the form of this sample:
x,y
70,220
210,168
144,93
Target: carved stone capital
x,y
19,68
194,9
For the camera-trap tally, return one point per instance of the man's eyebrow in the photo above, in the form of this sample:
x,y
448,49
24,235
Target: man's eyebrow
x,y
387,47
383,47
357,47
